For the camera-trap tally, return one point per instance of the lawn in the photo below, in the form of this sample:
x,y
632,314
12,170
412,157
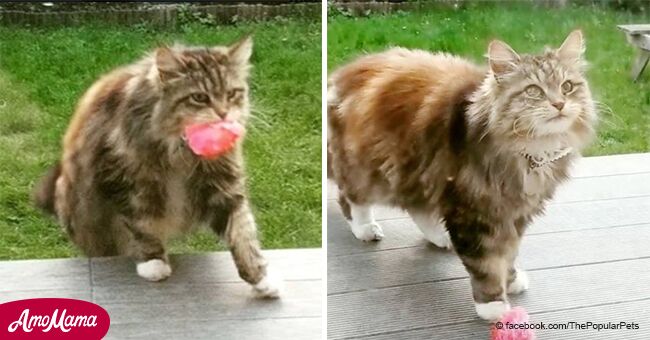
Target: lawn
x,y
625,118
44,71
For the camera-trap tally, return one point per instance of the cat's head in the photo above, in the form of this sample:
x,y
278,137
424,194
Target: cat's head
x,y
539,96
201,84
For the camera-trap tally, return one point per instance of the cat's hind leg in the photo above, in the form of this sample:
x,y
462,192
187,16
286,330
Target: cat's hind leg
x,y
433,228
362,223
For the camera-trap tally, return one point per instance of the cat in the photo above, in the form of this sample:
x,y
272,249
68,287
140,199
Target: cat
x,y
471,153
127,181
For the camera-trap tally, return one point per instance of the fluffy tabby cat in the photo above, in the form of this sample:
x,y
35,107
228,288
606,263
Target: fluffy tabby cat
x,y
126,181
471,154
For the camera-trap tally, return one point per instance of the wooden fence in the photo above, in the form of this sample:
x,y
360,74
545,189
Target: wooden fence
x,y
163,16
364,7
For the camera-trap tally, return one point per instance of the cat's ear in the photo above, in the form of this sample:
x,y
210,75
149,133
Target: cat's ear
x,y
573,46
502,57
167,64
240,52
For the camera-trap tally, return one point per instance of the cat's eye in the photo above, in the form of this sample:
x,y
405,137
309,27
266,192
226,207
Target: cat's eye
x,y
534,91
234,93
567,86
200,98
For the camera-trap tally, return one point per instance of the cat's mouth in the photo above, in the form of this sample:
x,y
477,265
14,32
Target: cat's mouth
x,y
557,117
211,140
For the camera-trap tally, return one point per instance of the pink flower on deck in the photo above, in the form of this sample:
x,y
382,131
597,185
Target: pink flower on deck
x,y
504,329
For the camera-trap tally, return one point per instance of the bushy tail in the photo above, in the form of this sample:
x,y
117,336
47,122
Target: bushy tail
x,y
330,171
332,123
43,195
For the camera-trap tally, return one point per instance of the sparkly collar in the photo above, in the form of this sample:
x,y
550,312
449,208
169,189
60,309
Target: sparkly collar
x,y
546,158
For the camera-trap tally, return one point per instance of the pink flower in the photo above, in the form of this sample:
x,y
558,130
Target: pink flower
x,y
211,140
512,326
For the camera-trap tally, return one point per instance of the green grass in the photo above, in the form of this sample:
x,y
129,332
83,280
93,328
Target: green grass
x,y
43,73
466,32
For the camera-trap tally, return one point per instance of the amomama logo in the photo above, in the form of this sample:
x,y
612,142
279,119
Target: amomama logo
x,y
52,319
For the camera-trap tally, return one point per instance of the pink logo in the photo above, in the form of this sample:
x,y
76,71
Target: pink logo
x,y
52,318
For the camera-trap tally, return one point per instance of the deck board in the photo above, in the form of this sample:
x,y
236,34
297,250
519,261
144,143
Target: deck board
x,y
272,329
559,218
588,260
633,310
203,299
414,265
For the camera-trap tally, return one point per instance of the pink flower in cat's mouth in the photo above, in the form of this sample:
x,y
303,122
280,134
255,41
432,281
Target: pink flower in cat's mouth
x,y
211,140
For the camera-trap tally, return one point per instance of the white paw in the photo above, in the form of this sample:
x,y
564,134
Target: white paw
x,y
520,284
154,270
492,311
433,228
439,237
270,286
368,232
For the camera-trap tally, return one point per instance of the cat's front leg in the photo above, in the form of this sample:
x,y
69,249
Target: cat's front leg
x,y
148,249
487,260
238,229
487,277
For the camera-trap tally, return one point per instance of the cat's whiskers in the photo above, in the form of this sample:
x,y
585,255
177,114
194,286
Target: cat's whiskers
x,y
531,130
532,124
602,107
182,156
259,116
195,166
534,114
605,112
514,126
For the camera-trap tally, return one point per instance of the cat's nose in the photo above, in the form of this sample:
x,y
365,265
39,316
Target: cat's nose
x,y
221,113
558,105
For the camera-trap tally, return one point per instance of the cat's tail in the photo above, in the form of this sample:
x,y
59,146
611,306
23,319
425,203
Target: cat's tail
x,y
330,171
43,194
332,104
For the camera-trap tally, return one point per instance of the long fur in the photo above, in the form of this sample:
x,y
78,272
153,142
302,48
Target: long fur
x,y
436,134
127,182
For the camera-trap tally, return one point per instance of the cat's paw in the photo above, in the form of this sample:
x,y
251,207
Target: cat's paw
x,y
270,286
433,228
368,232
520,284
154,270
439,237
492,311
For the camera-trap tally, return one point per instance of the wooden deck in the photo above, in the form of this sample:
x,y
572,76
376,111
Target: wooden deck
x,y
588,259
203,299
